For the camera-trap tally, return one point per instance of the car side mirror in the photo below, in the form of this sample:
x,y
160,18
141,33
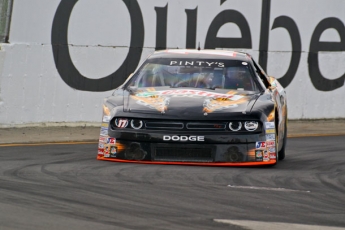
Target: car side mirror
x,y
132,89
272,81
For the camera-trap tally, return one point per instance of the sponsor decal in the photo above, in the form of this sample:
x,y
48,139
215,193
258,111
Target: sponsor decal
x,y
211,105
189,93
259,155
270,131
270,144
270,136
153,102
106,118
100,152
109,147
269,125
159,100
121,122
101,146
104,131
199,93
106,151
111,140
105,125
183,138
266,156
273,155
221,103
272,150
103,139
196,63
260,145
113,150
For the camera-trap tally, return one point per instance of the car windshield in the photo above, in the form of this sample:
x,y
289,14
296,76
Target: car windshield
x,y
210,74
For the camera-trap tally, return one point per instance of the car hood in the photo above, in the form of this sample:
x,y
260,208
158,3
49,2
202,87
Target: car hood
x,y
188,102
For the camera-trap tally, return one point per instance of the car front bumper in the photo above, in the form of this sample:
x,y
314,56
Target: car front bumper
x,y
219,149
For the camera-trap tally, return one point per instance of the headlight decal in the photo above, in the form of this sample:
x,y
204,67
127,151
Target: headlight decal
x,y
136,124
235,126
251,125
121,122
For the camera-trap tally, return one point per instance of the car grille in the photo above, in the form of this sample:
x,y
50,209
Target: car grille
x,y
163,125
183,154
208,126
166,125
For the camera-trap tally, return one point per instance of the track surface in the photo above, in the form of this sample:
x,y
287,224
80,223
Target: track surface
x,y
65,187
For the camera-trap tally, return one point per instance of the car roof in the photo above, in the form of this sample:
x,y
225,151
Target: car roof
x,y
201,54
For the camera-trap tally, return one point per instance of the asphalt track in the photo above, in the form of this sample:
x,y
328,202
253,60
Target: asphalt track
x,y
63,186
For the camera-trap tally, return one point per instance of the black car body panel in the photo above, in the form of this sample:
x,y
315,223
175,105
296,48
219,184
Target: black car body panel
x,y
180,107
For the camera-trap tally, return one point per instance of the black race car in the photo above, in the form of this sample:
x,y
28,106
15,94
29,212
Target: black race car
x,y
208,107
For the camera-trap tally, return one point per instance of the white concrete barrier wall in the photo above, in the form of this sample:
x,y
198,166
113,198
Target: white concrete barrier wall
x,y
305,37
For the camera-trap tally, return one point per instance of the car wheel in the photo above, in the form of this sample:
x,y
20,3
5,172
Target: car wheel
x,y
281,153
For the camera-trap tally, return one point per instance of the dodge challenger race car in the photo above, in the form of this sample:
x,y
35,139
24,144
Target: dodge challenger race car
x,y
208,107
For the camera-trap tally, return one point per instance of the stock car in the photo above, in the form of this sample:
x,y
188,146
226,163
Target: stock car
x,y
196,107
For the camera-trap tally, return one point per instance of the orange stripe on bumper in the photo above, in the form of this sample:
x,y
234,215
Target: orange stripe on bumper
x,y
271,162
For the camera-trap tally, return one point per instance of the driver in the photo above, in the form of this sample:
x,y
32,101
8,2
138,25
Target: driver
x,y
205,80
158,77
234,78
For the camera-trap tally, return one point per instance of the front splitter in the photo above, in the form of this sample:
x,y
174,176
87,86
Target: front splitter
x,y
235,164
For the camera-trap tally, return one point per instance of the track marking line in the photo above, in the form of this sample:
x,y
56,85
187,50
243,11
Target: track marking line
x,y
315,135
264,225
268,188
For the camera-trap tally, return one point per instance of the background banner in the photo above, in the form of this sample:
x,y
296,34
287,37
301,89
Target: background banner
x,y
64,56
